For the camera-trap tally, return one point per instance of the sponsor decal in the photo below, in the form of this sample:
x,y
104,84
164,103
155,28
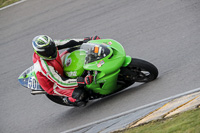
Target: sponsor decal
x,y
100,63
107,43
70,74
101,81
68,62
110,43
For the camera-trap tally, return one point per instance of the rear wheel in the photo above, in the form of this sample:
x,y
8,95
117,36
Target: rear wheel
x,y
57,99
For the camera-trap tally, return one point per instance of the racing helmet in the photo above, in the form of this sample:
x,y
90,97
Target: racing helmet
x,y
45,47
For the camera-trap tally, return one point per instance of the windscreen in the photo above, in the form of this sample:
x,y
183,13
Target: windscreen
x,y
94,52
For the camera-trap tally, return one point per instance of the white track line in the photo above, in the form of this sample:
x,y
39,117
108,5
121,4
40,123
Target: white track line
x,y
133,110
12,4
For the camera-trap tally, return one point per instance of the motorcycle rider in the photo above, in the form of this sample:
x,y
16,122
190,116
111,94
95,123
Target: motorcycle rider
x,y
49,69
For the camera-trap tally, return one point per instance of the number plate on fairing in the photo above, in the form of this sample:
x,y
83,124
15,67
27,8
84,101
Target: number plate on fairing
x,y
32,83
28,79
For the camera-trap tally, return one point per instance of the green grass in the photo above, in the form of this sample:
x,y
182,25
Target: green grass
x,y
6,2
187,122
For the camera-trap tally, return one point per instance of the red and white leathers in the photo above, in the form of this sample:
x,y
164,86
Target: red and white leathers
x,y
50,73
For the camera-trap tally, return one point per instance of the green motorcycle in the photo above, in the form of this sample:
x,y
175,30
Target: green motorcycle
x,y
106,60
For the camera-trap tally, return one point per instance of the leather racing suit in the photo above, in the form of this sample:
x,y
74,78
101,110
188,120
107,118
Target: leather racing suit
x,y
50,73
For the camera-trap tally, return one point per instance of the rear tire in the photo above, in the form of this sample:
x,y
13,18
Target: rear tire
x,y
57,99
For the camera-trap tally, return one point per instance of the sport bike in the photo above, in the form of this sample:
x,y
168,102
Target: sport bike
x,y
106,60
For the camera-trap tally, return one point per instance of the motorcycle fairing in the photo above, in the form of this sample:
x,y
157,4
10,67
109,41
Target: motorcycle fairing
x,y
28,79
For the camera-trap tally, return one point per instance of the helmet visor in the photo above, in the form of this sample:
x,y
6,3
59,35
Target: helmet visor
x,y
50,51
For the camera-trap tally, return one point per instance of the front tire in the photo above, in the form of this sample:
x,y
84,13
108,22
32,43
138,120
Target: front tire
x,y
144,71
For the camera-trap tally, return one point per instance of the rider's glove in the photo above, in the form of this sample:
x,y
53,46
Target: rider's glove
x,y
85,81
86,39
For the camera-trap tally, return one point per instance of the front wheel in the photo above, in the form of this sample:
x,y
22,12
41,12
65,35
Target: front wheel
x,y
143,71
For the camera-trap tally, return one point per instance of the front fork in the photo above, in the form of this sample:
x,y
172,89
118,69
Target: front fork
x,y
95,75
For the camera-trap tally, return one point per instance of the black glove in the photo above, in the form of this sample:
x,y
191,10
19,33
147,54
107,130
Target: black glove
x,y
85,81
86,39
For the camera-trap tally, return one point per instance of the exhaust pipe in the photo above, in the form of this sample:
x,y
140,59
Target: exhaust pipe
x,y
38,92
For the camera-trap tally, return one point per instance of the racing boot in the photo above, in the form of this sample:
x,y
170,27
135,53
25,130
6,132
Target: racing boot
x,y
77,103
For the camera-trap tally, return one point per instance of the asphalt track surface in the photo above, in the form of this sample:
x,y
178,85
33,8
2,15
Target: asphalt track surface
x,y
166,33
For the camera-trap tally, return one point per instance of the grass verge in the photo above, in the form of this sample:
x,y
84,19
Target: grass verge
x,y
7,2
187,122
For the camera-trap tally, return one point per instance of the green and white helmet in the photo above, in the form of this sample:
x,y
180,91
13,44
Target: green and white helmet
x,y
45,47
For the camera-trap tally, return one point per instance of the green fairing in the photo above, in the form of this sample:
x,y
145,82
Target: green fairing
x,y
106,79
127,61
